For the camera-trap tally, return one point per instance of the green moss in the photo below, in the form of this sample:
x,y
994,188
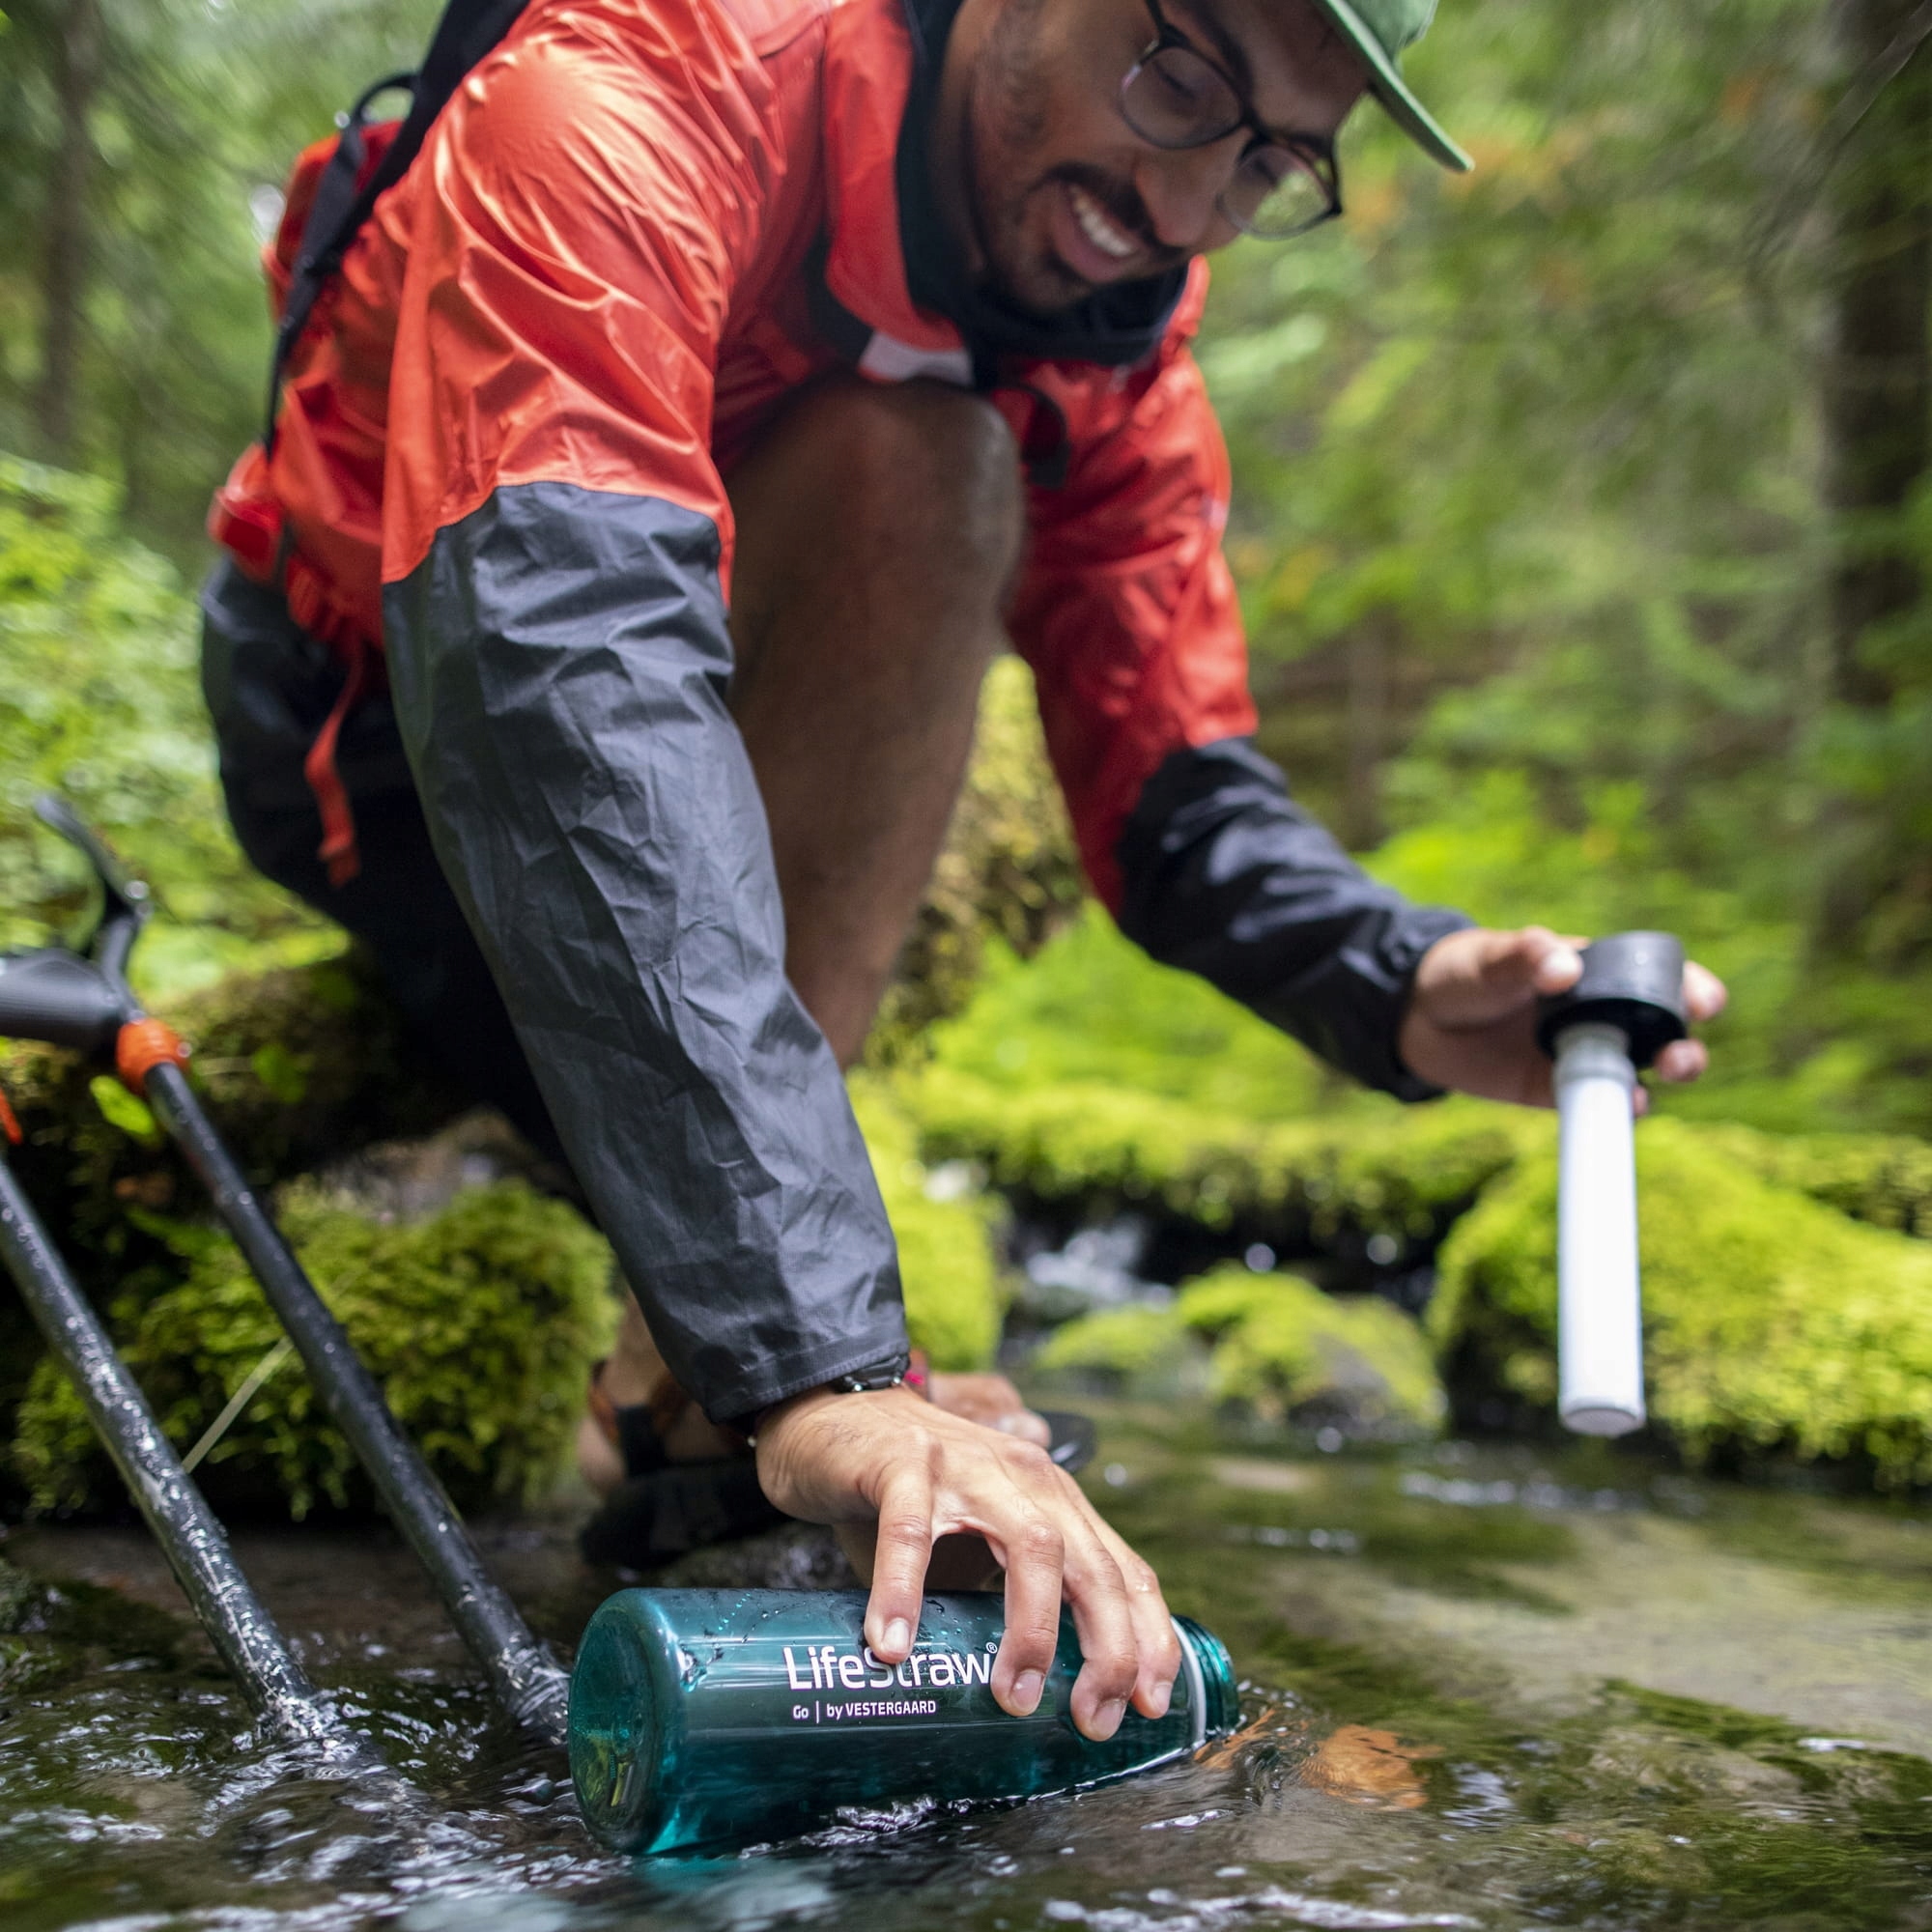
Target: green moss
x,y
1883,1179
1772,1321
1125,1344
953,1299
1093,1007
1280,1347
481,1323
1404,1172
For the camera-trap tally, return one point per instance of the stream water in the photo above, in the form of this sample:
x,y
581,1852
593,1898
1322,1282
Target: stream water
x,y
1487,1687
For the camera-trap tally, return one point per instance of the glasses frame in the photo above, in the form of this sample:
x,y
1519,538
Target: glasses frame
x,y
1312,154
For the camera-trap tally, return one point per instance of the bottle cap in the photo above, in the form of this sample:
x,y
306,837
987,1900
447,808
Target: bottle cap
x,y
1633,981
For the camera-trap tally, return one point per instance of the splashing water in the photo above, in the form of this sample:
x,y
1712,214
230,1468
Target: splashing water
x,y
1487,1697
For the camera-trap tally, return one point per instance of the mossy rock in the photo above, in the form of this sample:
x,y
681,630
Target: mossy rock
x,y
1283,1349
1405,1173
955,1301
481,1325
1883,1179
296,1066
1279,1348
1008,870
1772,1322
1115,1345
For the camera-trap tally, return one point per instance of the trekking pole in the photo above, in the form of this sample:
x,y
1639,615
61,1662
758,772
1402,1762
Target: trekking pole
x,y
243,1634
527,1681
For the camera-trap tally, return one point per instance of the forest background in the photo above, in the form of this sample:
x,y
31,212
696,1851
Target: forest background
x,y
1581,510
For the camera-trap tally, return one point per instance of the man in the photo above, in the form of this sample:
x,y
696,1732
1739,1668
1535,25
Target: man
x,y
722,386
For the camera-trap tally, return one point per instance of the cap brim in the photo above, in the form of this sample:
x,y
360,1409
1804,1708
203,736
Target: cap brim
x,y
1386,84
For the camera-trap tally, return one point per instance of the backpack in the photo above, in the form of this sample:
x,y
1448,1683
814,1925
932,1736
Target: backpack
x,y
335,187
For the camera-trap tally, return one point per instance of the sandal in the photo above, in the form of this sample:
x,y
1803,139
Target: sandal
x,y
663,1509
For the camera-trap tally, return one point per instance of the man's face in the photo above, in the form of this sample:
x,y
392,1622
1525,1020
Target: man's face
x,y
1052,193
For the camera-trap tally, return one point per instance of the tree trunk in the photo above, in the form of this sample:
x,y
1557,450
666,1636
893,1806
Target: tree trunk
x,y
1878,376
1877,410
76,76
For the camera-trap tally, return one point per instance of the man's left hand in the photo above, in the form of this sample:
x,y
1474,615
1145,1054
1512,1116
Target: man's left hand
x,y
1471,1018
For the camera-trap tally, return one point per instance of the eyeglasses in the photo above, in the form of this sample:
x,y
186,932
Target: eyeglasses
x,y
1176,97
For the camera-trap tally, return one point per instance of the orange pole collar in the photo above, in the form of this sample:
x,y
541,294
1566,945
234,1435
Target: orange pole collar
x,y
141,1046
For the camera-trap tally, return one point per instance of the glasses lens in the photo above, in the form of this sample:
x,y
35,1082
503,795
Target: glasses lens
x,y
1278,192
1174,99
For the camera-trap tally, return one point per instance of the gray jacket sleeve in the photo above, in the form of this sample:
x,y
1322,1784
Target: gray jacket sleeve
x,y
1227,876
560,663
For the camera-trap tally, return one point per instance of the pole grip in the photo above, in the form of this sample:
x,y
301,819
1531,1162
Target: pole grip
x,y
1599,1320
56,997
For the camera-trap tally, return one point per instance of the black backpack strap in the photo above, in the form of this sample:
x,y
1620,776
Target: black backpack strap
x,y
466,33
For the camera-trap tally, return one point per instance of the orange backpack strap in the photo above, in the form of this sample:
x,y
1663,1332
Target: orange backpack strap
x,y
348,188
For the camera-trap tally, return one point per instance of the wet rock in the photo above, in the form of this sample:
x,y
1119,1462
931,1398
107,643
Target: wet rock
x,y
796,1557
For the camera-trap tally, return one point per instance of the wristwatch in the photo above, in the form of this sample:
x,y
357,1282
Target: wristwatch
x,y
885,1375
891,1373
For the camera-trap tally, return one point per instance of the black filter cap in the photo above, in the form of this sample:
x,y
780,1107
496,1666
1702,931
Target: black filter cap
x,y
1632,979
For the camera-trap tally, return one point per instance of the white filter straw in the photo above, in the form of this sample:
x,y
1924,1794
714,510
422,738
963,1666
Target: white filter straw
x,y
1599,1317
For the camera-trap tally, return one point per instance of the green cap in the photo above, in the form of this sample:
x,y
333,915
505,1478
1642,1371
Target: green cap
x,y
1378,30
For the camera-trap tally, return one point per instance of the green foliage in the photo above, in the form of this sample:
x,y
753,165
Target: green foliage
x,y
1280,1347
1772,1321
481,1323
123,1110
1527,528
953,1300
168,176
99,700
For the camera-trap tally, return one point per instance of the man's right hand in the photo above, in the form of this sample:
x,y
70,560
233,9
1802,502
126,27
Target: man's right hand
x,y
887,1458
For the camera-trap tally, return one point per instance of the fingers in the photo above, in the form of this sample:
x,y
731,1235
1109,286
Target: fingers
x,y
1110,1646
900,1553
1478,977
1155,1637
921,1475
1554,964
1028,1427
1034,1554
1705,995
1682,1060
992,1400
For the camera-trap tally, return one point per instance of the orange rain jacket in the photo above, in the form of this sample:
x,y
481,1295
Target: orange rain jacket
x,y
636,229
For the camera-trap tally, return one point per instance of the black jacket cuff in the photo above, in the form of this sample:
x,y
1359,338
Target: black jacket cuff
x,y
1225,876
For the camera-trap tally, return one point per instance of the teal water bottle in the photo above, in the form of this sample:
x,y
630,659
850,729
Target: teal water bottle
x,y
718,1718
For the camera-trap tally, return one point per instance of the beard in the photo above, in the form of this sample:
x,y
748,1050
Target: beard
x,y
1008,117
